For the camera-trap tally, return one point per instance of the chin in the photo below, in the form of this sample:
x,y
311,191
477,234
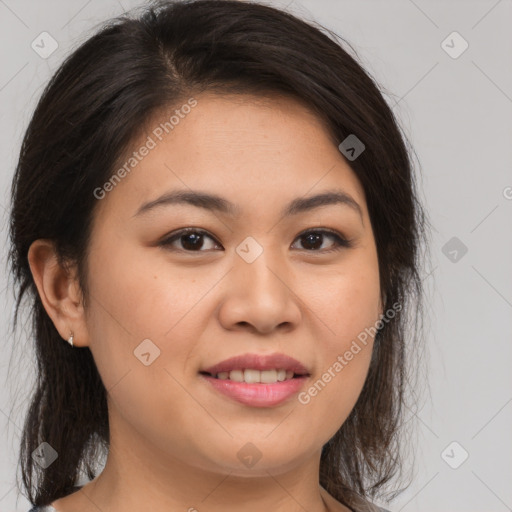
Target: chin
x,y
251,459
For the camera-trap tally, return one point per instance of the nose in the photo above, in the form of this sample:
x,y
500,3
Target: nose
x,y
260,297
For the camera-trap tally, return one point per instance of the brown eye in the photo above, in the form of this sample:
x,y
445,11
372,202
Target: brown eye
x,y
198,240
191,240
313,240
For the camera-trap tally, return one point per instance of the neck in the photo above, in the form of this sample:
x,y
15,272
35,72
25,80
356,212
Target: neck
x,y
141,477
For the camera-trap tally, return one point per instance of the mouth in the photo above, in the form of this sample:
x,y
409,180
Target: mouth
x,y
253,376
257,380
253,368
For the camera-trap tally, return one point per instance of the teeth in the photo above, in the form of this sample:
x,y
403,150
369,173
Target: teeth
x,y
237,375
268,376
256,376
251,376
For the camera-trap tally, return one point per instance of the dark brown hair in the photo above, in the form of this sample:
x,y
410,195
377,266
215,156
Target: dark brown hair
x,y
93,109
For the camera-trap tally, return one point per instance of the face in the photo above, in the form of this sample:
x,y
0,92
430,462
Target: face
x,y
249,277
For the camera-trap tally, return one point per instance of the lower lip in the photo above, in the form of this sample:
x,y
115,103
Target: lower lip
x,y
257,395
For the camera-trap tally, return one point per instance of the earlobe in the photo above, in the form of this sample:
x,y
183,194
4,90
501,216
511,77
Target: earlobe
x,y
59,291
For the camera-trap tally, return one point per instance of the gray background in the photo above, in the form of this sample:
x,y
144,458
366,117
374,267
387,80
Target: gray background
x,y
457,114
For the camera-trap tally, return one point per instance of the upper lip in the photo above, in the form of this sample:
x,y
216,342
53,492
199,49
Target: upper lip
x,y
258,362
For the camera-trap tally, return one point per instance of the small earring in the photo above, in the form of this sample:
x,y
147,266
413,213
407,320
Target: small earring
x,y
70,340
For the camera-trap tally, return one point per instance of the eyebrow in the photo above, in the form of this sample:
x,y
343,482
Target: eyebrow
x,y
214,202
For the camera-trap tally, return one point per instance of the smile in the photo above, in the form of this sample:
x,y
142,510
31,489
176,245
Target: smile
x,y
251,376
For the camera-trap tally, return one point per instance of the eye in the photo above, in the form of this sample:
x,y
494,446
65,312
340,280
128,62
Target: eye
x,y
193,240
314,239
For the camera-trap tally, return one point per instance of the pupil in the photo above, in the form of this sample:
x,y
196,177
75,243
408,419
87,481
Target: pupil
x,y
195,243
314,239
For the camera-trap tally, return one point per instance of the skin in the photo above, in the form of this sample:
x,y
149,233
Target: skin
x,y
174,440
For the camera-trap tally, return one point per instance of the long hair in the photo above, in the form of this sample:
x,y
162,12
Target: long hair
x,y
95,106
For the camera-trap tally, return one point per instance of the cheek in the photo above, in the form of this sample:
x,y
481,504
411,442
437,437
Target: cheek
x,y
133,312
346,302
133,302
141,295
344,361
346,305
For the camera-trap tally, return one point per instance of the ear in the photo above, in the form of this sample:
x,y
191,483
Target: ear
x,y
59,291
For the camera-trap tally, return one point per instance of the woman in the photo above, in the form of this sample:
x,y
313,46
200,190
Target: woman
x,y
215,207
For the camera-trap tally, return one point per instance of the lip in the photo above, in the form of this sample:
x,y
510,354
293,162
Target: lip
x,y
257,394
258,362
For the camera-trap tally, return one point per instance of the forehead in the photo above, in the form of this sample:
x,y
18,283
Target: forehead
x,y
258,151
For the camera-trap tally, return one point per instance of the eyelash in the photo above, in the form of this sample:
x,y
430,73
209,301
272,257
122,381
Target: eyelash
x,y
340,241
